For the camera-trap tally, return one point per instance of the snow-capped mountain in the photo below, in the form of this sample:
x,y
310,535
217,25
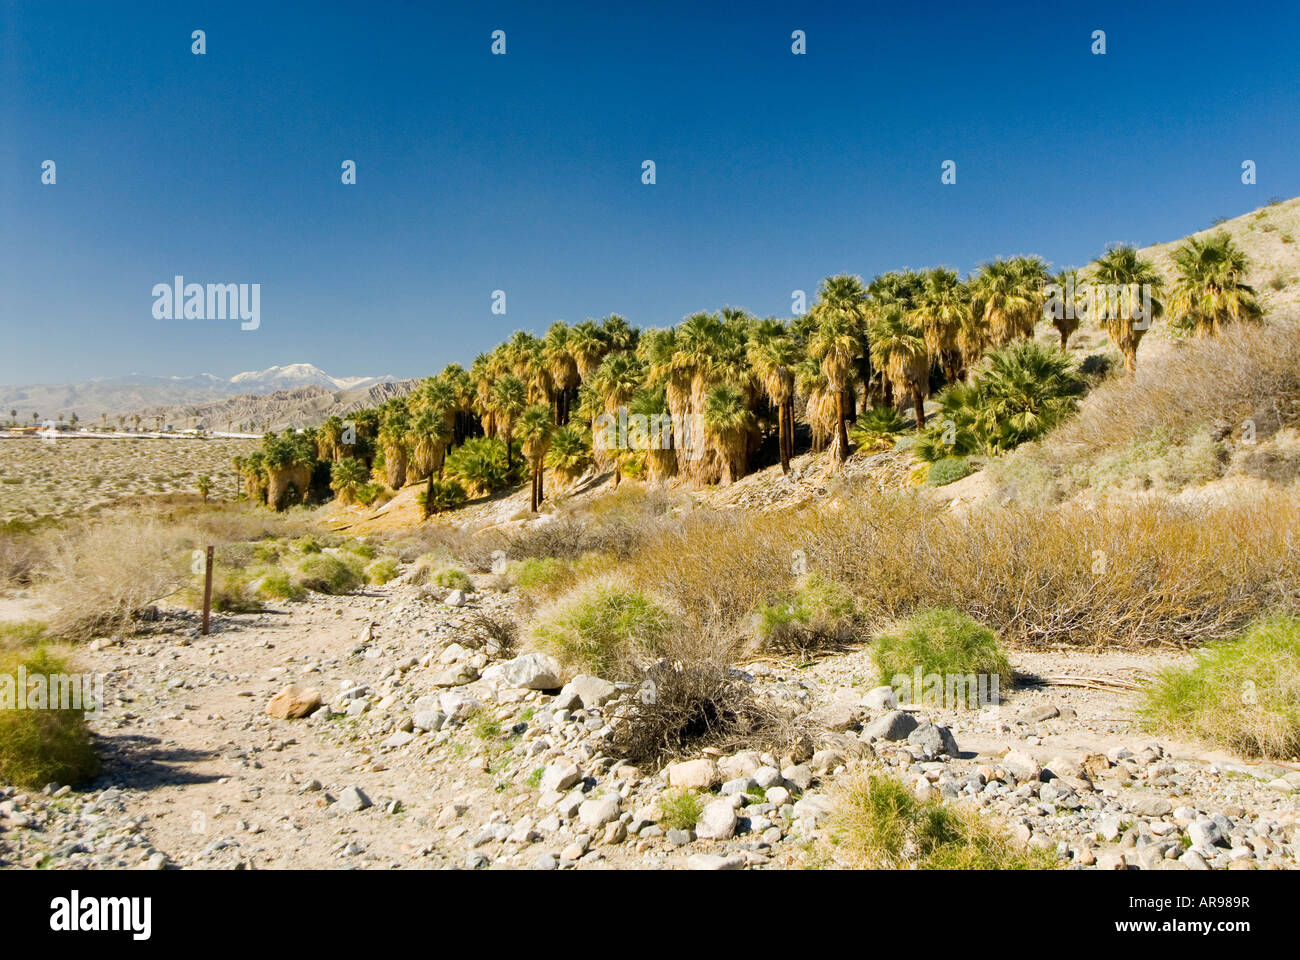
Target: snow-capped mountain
x,y
297,375
113,396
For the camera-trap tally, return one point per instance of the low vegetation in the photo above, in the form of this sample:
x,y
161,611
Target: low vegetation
x,y
605,628
40,746
878,824
939,641
1242,694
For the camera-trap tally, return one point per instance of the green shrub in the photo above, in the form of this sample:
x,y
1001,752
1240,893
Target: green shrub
x,y
601,625
381,571
1241,694
538,574
818,612
681,809
453,578
328,573
876,425
947,470
41,746
276,584
877,823
940,641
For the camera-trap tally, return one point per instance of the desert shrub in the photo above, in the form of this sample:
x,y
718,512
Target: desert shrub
x,y
939,641
276,584
1242,694
41,746
538,574
820,612
948,470
453,578
603,627
22,553
690,702
102,575
381,571
1128,572
500,632
616,524
1154,461
682,809
328,573
877,823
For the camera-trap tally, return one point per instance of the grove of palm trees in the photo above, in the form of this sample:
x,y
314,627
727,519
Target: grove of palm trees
x,y
706,401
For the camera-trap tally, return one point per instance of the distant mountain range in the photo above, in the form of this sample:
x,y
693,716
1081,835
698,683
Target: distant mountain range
x,y
149,395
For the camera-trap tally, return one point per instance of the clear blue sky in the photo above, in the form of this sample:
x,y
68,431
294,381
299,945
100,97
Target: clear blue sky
x,y
523,172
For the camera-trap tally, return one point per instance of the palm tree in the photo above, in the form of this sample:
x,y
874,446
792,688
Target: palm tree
x,y
134,419
1124,273
837,342
1005,299
204,486
508,400
728,421
615,381
347,477
393,438
898,350
1067,317
943,309
774,353
587,346
536,426
563,368
330,440
569,454
1211,291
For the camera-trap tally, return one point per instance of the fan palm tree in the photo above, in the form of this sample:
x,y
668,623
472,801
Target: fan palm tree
x,y
728,422
898,350
569,454
1211,291
774,353
1069,313
837,342
943,309
204,486
587,346
1124,273
1003,299
657,349
508,401
393,439
536,426
615,381
562,366
329,441
347,476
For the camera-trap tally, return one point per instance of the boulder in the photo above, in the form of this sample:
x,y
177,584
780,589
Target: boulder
x,y
694,775
590,691
293,702
895,725
529,671
717,821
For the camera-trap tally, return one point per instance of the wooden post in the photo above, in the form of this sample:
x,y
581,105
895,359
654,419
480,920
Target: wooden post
x,y
207,592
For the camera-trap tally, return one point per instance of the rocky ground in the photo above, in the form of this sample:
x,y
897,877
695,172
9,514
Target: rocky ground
x,y
433,746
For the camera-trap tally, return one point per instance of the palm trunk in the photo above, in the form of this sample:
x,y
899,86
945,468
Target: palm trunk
x,y
841,428
918,402
781,438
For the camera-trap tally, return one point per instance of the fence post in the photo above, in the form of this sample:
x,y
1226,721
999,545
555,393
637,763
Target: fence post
x,y
207,592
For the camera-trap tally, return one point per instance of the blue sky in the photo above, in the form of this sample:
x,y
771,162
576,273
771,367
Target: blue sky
x,y
523,172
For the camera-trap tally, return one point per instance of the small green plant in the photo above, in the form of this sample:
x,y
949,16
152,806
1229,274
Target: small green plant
x,y
947,470
601,624
877,823
381,571
40,746
534,779
453,578
485,726
328,573
682,809
939,641
1240,694
876,426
